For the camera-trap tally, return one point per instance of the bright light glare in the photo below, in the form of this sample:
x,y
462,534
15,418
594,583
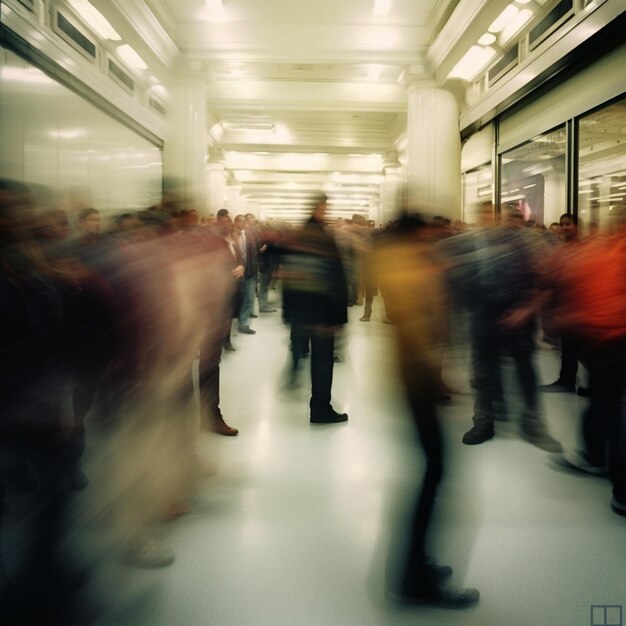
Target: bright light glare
x,y
95,20
129,54
381,7
512,28
503,19
474,61
29,75
373,72
487,39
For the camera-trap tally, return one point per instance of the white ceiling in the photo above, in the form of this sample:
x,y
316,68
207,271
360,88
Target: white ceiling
x,y
323,78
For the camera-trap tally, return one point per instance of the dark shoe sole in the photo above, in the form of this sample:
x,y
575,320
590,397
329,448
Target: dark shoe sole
x,y
333,419
475,440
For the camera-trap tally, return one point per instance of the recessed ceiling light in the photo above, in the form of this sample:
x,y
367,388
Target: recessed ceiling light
x,y
381,7
503,19
373,72
472,63
95,19
515,25
129,54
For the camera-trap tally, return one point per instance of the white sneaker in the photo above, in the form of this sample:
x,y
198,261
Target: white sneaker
x,y
146,551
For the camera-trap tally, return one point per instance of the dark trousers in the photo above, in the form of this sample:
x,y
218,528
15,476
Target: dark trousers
x,y
322,361
489,344
570,353
421,387
38,574
604,423
209,382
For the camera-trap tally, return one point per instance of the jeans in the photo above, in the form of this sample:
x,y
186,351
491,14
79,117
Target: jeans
x,y
248,288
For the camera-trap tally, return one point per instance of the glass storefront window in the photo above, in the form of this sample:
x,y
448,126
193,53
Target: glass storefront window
x,y
602,167
477,188
533,178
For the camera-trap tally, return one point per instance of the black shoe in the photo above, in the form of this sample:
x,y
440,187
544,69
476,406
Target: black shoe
x,y
558,387
618,507
78,480
475,436
267,309
246,330
443,596
576,460
584,392
229,347
328,417
252,315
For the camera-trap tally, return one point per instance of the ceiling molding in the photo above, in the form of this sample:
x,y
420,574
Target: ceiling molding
x,y
468,21
148,28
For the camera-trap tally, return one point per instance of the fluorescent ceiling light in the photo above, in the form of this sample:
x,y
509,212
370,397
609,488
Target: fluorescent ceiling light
x,y
128,54
373,72
522,1
503,19
513,27
381,7
159,90
95,20
473,62
487,39
249,127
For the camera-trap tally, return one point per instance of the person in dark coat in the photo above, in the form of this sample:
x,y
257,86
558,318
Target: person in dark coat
x,y
315,303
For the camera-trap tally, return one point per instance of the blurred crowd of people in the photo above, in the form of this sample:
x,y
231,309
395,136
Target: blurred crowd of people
x,y
107,326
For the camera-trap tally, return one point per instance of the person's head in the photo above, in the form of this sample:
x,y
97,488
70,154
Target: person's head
x,y
555,228
319,206
126,222
569,226
223,223
250,220
89,221
56,224
239,223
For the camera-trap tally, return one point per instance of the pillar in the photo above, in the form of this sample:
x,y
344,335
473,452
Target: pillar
x,y
433,151
185,149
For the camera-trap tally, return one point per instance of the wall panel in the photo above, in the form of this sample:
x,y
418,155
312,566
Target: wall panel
x,y
52,138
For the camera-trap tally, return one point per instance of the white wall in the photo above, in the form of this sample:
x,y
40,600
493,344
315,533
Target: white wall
x,y
51,136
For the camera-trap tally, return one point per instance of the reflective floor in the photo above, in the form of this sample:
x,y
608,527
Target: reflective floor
x,y
299,522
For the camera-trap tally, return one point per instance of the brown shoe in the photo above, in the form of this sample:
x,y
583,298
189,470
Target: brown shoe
x,y
222,428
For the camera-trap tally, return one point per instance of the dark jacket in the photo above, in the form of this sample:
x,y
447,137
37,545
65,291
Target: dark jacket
x,y
314,284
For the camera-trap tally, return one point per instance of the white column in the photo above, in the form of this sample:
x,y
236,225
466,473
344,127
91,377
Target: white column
x,y
185,150
433,151
217,181
390,189
233,200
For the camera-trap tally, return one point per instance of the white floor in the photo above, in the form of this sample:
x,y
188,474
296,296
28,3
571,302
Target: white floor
x,y
296,526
